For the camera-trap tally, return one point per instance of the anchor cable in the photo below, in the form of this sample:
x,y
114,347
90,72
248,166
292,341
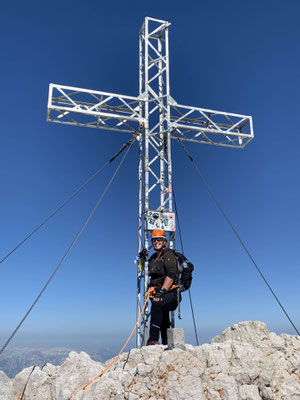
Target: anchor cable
x,y
68,199
235,231
69,249
181,242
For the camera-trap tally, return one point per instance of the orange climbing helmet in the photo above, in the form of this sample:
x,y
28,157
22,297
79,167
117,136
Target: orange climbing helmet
x,y
158,234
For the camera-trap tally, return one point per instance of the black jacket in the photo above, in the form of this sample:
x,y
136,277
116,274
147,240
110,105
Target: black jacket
x,y
166,265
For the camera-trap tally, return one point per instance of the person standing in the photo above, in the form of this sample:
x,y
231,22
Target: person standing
x,y
163,272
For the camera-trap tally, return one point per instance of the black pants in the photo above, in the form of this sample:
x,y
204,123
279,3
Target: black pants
x,y
160,316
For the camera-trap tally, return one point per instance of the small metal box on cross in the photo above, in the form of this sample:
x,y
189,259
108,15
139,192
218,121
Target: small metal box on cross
x,y
155,118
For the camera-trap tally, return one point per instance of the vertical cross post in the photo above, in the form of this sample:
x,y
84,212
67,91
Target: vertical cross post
x,y
155,178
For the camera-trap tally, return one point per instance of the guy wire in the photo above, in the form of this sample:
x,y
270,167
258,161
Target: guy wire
x,y
68,251
234,230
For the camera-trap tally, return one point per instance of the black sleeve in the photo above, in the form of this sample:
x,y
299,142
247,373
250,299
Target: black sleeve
x,y
151,257
170,264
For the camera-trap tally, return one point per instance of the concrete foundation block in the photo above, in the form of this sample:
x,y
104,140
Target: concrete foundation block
x,y
176,338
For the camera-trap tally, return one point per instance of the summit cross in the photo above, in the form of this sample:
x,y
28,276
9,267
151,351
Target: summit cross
x,y
155,118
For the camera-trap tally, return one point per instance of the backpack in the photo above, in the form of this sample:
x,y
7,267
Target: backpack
x,y
185,269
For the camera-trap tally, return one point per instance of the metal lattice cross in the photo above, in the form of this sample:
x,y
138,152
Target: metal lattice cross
x,y
155,118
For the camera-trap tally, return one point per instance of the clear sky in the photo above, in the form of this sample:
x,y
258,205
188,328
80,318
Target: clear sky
x,y
236,56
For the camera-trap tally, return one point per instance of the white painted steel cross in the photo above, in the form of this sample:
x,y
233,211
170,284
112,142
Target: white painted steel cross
x,y
155,118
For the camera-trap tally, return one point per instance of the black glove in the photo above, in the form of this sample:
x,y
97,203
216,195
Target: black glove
x,y
160,294
143,253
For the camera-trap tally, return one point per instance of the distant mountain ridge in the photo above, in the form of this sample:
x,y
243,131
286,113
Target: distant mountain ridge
x,y
15,359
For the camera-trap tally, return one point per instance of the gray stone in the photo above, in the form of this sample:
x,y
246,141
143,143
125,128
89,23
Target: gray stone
x,y
216,355
176,338
253,332
249,392
245,362
277,341
6,391
20,381
213,395
50,369
4,379
38,385
226,386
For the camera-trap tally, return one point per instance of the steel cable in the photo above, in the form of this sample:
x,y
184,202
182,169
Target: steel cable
x,y
69,249
181,242
235,232
68,199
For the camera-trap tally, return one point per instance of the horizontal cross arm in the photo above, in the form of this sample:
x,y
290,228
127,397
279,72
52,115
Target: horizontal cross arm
x,y
94,109
202,125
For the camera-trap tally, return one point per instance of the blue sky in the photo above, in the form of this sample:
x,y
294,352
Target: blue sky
x,y
236,56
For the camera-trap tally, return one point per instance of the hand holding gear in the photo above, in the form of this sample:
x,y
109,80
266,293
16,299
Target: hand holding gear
x,y
159,294
144,253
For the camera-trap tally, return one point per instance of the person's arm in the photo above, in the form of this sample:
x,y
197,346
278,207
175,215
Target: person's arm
x,y
168,282
170,265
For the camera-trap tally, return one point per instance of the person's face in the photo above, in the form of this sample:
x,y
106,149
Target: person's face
x,y
158,244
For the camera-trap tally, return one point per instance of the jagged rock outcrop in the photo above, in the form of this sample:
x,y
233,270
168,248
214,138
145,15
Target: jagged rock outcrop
x,y
15,359
245,362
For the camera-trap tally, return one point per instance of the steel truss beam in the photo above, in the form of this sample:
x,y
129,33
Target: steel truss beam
x,y
218,128
155,118
102,110
93,109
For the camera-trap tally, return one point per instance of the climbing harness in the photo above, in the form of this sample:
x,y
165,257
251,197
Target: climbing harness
x,y
154,288
150,294
69,249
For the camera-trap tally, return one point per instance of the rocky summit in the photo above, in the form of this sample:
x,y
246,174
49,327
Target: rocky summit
x,y
245,362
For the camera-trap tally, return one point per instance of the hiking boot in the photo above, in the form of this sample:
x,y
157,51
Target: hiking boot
x,y
152,342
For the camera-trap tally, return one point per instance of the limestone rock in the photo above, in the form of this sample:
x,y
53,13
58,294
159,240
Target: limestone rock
x,y
20,381
249,392
5,387
252,332
245,362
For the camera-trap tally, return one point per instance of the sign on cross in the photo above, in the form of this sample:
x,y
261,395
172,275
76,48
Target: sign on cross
x,y
155,118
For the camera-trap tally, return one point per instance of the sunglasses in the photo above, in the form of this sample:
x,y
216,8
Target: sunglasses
x,y
156,240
